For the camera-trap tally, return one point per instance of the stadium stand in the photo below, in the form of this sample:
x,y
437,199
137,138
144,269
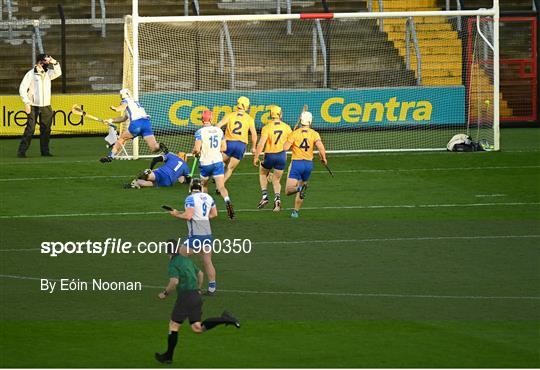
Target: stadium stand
x,y
94,63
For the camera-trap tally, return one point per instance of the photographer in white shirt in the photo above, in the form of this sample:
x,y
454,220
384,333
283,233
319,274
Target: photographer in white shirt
x,y
35,92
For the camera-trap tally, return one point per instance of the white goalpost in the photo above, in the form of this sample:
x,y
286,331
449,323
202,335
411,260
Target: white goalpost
x,y
374,81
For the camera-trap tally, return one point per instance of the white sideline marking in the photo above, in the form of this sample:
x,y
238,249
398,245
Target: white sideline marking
x,y
335,294
489,195
508,204
95,160
9,179
368,240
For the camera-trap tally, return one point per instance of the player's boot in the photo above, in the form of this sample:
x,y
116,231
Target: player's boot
x,y
303,190
263,202
209,293
230,209
106,159
231,319
163,358
295,214
277,205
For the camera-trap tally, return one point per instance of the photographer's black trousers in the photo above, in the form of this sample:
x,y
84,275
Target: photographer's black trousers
x,y
43,116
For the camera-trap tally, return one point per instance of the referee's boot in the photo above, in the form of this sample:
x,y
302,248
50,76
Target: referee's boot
x,y
231,320
163,358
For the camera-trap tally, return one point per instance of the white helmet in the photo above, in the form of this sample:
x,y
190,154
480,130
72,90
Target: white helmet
x,y
306,118
125,93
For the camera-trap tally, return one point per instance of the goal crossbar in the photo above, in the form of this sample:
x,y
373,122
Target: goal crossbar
x,y
286,17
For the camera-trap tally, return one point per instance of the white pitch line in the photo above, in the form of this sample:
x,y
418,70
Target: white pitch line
x,y
346,241
331,294
384,170
489,195
406,206
95,160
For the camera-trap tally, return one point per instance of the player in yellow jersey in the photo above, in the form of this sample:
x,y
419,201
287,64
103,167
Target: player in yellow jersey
x,y
239,125
273,137
302,142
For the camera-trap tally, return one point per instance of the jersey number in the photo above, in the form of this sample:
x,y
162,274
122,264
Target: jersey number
x,y
237,128
278,133
304,145
178,166
214,142
204,209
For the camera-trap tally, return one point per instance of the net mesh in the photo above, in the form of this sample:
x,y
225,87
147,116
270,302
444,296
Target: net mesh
x,y
406,84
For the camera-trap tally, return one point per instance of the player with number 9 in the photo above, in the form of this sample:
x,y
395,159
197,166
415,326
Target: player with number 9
x,y
302,142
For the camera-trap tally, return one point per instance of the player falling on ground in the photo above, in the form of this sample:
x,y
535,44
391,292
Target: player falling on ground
x,y
174,169
209,146
199,208
139,125
186,279
273,137
238,125
302,141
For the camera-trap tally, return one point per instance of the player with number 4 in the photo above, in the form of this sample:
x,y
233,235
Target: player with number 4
x,y
302,142
209,144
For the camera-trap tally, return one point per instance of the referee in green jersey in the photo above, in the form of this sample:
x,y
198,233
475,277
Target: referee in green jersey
x,y
187,278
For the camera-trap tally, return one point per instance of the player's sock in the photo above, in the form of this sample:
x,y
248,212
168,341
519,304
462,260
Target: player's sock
x,y
212,286
298,188
264,193
227,199
172,339
277,196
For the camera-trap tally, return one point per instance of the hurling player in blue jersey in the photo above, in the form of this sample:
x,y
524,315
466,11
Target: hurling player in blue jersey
x,y
174,169
139,125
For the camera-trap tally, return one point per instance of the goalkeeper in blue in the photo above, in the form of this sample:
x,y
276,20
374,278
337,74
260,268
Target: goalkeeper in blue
x,y
139,125
174,169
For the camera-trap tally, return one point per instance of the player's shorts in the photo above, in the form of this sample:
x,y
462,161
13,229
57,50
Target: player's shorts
x,y
198,243
140,127
164,177
216,169
301,170
188,306
275,160
235,149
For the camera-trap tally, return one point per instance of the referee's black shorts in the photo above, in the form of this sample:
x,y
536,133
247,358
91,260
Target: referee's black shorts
x,y
188,306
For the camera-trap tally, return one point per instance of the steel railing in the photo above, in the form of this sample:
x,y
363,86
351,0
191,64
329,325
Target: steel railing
x,y
318,39
103,15
411,35
381,9
225,39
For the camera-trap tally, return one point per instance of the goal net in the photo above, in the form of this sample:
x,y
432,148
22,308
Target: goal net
x,y
373,81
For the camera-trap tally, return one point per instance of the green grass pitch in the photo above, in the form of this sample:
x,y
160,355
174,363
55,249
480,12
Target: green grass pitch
x,y
401,260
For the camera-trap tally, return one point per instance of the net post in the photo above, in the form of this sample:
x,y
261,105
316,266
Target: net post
x,y
135,69
496,77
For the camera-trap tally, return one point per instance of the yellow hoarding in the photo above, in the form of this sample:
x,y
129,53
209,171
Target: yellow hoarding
x,y
64,122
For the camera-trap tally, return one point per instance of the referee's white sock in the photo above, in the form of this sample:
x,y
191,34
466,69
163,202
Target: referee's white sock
x,y
212,286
